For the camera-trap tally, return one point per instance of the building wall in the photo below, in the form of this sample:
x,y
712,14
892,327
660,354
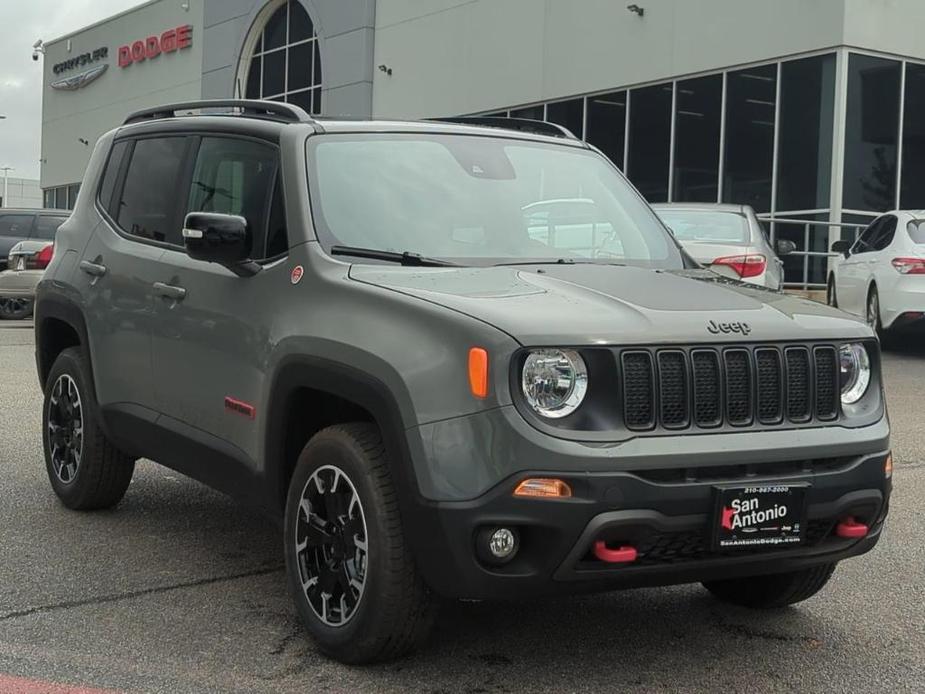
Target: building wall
x,y
463,56
85,114
21,192
346,35
891,26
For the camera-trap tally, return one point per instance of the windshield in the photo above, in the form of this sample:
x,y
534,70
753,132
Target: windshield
x,y
706,226
480,201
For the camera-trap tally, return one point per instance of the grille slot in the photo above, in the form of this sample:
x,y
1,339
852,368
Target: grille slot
x,y
827,383
738,387
798,386
770,386
708,405
638,390
672,389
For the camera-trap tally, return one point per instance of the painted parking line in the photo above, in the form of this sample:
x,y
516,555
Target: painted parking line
x,y
21,685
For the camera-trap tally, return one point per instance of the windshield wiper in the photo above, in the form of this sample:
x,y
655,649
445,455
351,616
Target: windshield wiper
x,y
406,258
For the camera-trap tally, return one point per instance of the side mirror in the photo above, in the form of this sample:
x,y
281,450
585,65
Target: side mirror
x,y
220,238
843,247
785,247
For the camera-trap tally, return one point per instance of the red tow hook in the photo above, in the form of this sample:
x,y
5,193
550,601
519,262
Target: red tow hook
x,y
621,555
850,528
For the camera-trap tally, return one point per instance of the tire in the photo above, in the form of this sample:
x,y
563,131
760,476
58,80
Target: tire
x,y
772,591
830,296
85,469
15,309
872,315
378,607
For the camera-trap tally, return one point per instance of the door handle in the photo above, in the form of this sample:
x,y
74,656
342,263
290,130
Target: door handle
x,y
168,291
93,269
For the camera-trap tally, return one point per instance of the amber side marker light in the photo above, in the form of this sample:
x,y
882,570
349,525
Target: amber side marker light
x,y
888,466
539,487
478,372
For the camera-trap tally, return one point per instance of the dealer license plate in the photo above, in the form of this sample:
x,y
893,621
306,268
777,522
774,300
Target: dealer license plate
x,y
770,516
21,263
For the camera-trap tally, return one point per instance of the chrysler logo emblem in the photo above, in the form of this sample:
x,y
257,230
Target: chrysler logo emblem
x,y
80,80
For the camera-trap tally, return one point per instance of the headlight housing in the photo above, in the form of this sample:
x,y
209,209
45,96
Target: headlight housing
x,y
854,366
554,382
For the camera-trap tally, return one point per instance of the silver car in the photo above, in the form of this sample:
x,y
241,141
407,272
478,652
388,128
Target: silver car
x,y
728,239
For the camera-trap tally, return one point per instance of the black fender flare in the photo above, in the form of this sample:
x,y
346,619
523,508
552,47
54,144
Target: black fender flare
x,y
58,308
338,379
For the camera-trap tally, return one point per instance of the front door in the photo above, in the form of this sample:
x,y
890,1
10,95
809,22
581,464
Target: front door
x,y
214,329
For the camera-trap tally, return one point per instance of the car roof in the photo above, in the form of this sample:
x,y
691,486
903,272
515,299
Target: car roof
x,y
35,210
271,128
701,207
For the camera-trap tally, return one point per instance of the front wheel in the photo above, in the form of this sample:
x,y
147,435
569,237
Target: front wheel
x,y
350,572
774,590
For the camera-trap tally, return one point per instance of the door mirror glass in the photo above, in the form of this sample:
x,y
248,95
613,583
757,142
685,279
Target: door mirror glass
x,y
785,247
841,247
219,238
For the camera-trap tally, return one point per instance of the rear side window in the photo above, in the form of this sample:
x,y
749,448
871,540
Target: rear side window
x,y
239,177
15,225
917,231
148,204
46,227
111,175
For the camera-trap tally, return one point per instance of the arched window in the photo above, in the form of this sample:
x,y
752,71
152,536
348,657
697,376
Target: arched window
x,y
285,62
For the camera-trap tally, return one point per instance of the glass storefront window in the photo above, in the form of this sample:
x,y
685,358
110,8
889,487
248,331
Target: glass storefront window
x,y
606,124
286,62
912,189
807,116
697,132
871,133
650,140
570,114
749,143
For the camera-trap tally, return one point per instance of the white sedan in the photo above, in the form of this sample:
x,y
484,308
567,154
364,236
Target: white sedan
x,y
881,276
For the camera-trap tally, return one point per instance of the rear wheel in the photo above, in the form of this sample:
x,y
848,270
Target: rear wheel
x,y
351,575
15,309
772,591
85,469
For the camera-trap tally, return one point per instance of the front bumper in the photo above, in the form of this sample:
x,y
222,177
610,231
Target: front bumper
x,y
19,284
666,513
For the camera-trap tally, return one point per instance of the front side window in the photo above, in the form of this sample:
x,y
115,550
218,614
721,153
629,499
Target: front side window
x,y
15,225
480,201
148,205
865,241
706,227
238,177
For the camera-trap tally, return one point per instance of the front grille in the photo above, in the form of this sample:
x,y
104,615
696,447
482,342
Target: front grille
x,y
742,386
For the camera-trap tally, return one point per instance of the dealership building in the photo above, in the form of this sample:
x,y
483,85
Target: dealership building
x,y
803,109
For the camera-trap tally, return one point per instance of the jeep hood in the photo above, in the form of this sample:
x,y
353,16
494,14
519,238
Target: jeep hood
x,y
585,304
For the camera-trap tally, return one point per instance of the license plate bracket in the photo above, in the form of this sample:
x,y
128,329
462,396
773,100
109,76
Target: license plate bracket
x,y
760,516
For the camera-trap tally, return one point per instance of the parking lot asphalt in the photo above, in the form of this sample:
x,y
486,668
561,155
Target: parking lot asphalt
x,y
179,589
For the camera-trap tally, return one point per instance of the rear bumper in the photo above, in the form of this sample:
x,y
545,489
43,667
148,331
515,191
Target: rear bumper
x,y
19,284
669,521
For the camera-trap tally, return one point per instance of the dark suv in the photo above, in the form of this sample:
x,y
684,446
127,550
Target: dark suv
x,y
371,331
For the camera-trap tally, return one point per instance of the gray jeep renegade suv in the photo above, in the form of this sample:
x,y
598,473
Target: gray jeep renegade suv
x,y
455,359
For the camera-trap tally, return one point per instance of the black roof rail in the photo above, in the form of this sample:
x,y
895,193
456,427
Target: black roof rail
x,y
253,108
525,125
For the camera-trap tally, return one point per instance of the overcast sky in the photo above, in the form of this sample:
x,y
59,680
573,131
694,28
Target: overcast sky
x,y
21,23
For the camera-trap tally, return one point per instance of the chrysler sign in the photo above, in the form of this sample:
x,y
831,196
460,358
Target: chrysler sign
x,y
81,79
170,41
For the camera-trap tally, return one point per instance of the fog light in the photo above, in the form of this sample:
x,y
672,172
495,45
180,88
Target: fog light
x,y
502,543
497,545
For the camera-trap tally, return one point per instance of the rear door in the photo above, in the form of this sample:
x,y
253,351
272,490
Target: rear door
x,y
213,329
14,227
119,266
851,272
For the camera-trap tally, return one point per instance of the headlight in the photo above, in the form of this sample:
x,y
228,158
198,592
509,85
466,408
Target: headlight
x,y
855,372
554,382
